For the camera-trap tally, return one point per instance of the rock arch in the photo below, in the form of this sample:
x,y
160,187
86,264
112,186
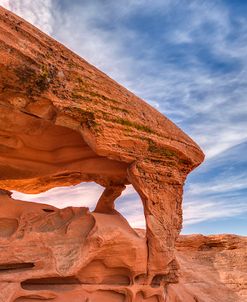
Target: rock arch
x,y
62,121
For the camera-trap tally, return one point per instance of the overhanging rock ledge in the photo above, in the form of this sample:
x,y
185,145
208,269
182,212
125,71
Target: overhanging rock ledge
x,y
62,122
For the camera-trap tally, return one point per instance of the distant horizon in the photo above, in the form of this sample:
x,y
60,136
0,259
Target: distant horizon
x,y
189,61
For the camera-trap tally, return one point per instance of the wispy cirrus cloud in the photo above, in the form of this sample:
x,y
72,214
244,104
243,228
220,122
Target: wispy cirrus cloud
x,y
85,195
38,13
195,212
130,205
217,190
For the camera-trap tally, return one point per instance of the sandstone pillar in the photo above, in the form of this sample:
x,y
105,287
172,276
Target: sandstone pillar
x,y
160,188
107,199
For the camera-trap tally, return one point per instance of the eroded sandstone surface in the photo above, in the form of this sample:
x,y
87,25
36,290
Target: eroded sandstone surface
x,y
63,122
212,268
71,254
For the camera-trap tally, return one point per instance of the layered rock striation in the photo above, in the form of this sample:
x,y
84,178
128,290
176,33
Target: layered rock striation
x,y
63,122
212,268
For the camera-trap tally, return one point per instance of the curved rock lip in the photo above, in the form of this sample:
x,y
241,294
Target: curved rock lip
x,y
43,78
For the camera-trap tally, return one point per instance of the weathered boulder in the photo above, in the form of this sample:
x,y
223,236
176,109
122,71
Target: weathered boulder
x,y
62,122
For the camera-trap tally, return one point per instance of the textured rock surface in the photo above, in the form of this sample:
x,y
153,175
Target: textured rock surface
x,y
74,255
213,268
70,255
62,122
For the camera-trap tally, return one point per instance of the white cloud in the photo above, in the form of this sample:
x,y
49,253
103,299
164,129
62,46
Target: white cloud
x,y
223,184
198,211
38,13
130,205
82,195
5,3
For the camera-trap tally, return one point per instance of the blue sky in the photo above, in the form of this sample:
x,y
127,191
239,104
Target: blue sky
x,y
188,59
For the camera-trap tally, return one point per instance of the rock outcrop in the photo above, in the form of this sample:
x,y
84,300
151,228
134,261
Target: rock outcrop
x,y
69,255
62,122
61,255
212,268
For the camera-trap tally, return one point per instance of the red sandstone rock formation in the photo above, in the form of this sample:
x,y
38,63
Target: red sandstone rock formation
x,y
74,255
69,255
63,122
213,268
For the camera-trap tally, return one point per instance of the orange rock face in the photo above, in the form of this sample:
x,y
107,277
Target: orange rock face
x,y
63,122
68,255
213,268
74,255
